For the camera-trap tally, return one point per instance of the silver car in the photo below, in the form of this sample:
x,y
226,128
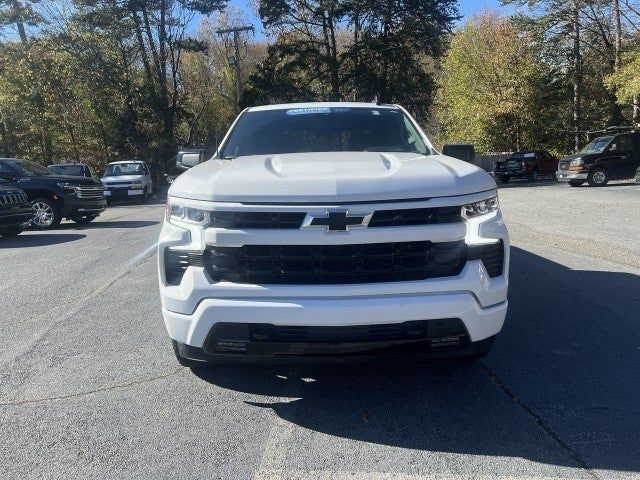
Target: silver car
x,y
127,180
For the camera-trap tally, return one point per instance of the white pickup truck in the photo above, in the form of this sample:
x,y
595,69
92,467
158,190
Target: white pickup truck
x,y
329,232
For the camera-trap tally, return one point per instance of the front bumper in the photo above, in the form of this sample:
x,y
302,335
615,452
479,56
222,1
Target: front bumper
x,y
194,307
512,173
83,206
119,193
15,217
565,175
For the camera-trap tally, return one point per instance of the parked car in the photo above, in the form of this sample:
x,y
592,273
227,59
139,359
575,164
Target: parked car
x,y
528,164
610,157
327,231
72,169
127,179
15,210
460,151
54,197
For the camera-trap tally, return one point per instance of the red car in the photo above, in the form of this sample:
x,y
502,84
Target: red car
x,y
527,164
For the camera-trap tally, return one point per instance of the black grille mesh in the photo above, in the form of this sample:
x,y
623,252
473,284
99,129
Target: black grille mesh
x,y
415,216
492,256
335,264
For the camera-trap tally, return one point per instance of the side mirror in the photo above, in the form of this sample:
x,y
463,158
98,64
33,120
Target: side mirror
x,y
187,160
8,176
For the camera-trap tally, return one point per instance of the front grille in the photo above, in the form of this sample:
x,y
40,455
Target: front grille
x,y
294,220
335,264
14,198
387,332
90,192
415,216
266,220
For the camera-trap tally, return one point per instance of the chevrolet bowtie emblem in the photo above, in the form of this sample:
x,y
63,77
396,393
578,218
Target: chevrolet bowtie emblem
x,y
336,221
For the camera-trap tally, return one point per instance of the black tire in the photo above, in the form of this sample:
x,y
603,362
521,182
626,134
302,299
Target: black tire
x,y
505,178
533,176
83,219
598,177
576,183
11,232
185,362
45,214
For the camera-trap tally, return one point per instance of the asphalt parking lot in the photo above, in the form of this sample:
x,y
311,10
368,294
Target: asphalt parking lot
x,y
89,387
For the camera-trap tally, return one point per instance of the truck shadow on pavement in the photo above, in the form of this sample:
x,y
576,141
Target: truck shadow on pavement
x,y
39,240
560,387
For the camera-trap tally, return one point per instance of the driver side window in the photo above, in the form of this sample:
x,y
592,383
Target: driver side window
x,y
624,144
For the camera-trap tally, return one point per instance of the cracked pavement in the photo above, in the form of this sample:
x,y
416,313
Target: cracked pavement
x,y
89,387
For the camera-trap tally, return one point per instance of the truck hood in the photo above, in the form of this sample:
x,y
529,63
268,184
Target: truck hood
x,y
121,179
334,177
53,179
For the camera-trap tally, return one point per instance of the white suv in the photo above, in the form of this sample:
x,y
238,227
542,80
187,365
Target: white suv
x,y
331,231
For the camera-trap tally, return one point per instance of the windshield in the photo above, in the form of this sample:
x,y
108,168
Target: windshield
x,y
119,169
597,146
72,170
323,129
28,168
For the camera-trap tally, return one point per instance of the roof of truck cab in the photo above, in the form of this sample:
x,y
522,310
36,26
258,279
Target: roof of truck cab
x,y
286,106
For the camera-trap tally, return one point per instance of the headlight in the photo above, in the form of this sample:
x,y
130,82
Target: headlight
x,y
483,207
67,187
577,162
178,214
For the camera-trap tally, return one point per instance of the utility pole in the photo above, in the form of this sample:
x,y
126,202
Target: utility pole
x,y
234,61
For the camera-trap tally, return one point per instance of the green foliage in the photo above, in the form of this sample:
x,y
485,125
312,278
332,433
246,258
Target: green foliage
x,y
626,81
493,89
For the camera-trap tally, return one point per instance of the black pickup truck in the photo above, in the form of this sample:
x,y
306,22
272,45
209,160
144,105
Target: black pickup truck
x,y
54,197
15,211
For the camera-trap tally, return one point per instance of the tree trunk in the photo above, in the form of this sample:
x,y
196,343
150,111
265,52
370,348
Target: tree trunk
x,y
577,76
17,12
618,38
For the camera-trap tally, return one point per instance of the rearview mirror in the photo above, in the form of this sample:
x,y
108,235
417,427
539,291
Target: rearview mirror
x,y
187,160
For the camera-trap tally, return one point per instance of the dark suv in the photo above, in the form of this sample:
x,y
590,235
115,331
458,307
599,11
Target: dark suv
x,y
15,211
54,197
526,164
610,157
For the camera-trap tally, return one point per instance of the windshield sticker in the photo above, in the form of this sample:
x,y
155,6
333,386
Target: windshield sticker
x,y
308,111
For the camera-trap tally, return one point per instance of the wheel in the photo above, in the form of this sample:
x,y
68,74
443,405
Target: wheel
x,y
185,362
83,219
533,176
505,179
598,177
45,214
10,232
576,183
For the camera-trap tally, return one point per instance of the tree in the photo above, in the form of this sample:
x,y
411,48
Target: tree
x,y
493,89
